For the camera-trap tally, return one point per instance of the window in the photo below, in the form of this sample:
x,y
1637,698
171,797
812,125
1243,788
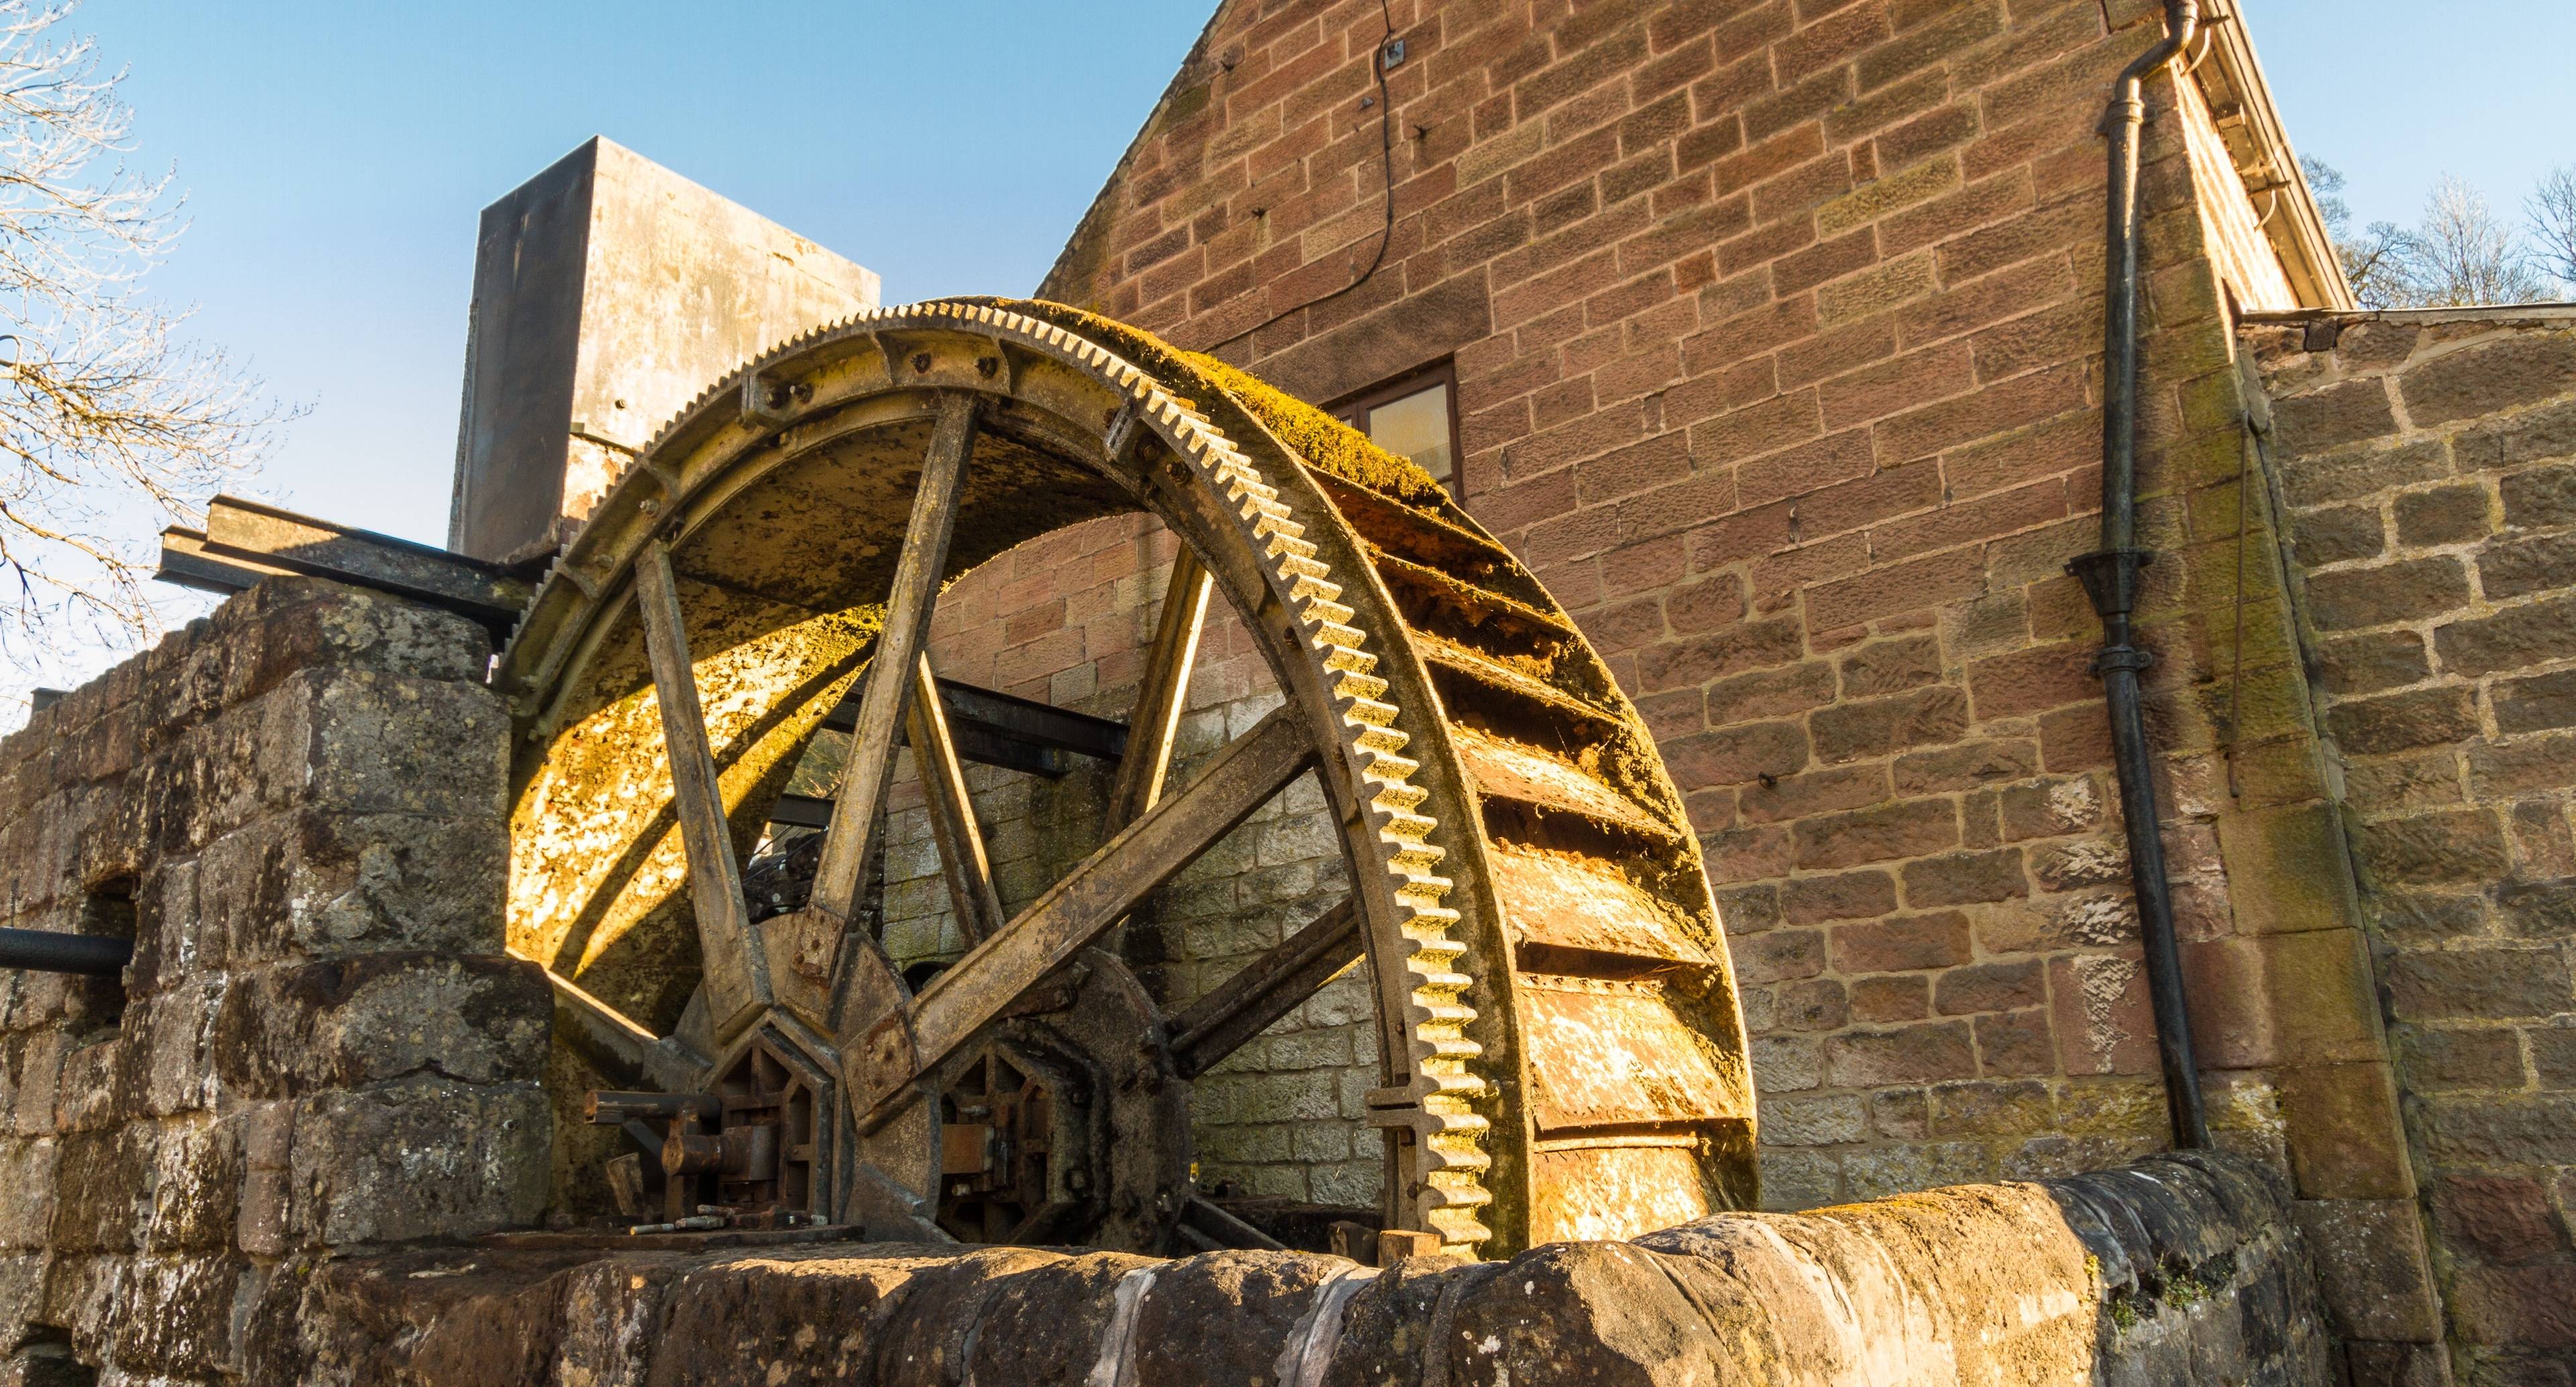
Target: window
x,y
1414,417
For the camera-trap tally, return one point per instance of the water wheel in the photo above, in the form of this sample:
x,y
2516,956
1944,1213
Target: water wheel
x,y
1560,1045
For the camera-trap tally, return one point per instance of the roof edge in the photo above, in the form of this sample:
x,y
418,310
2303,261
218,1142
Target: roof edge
x,y
2543,311
2231,81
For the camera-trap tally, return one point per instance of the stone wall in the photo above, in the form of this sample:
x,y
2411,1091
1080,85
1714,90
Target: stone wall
x,y
2165,1274
2428,465
295,807
1774,328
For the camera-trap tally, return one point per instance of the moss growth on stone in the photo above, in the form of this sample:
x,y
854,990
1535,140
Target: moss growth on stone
x,y
1319,440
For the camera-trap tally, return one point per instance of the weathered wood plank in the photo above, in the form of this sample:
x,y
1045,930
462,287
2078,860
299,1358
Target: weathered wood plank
x,y
889,678
962,859
1099,890
244,541
1212,1223
737,976
1165,693
1262,991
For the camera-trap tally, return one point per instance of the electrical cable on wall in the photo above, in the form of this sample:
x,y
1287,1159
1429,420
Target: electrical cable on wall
x,y
1378,60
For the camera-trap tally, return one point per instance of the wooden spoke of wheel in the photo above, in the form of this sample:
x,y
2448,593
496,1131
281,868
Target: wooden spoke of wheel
x,y
1160,700
1262,991
737,974
1090,899
962,859
890,669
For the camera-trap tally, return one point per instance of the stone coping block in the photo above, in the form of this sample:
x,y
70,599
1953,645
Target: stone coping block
x,y
2177,1269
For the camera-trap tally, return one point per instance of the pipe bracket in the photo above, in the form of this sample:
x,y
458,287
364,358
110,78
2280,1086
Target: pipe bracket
x,y
2110,578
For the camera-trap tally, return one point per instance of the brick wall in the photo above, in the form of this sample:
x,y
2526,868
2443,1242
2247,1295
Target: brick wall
x,y
297,808
2428,462
1775,326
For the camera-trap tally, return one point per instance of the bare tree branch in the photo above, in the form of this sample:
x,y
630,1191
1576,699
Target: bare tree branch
x,y
2374,259
2552,213
2465,255
107,419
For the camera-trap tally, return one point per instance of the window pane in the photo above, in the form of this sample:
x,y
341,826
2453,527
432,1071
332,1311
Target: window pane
x,y
1416,426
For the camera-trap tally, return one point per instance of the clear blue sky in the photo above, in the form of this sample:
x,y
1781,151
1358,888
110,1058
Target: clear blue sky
x,y
2398,92
336,155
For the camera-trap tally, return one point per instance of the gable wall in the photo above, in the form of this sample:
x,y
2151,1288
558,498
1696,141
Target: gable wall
x,y
1776,328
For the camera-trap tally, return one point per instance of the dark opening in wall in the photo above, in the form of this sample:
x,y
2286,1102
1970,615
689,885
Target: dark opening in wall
x,y
45,1359
98,1003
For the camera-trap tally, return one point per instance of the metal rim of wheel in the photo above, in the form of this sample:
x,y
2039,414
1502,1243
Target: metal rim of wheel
x,y
1561,1049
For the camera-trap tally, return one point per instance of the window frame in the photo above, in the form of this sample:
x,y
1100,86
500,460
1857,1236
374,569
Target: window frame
x,y
1353,409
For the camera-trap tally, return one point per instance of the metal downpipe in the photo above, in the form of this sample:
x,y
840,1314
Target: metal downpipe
x,y
2111,578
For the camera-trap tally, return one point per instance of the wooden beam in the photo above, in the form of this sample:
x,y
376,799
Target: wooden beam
x,y
1095,894
801,811
870,767
952,812
246,541
1210,1220
618,1047
1165,692
1028,720
737,976
1264,990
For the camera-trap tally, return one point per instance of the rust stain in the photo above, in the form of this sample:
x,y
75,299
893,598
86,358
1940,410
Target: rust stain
x,y
1618,1191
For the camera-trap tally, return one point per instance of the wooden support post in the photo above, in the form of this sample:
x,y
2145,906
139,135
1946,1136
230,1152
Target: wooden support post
x,y
737,974
870,767
952,813
1165,693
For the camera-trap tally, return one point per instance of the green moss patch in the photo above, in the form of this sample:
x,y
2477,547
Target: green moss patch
x,y
1321,441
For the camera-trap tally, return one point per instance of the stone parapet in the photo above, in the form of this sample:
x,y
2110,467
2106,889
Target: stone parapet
x,y
295,810
2169,1271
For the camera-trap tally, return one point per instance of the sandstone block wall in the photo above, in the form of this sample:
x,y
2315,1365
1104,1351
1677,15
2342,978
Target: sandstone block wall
x,y
2428,466
2163,1274
295,807
1775,331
